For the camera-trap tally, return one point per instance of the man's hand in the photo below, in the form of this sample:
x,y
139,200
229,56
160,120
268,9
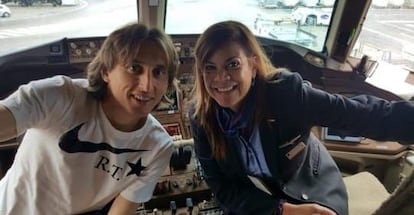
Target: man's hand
x,y
122,206
306,209
7,124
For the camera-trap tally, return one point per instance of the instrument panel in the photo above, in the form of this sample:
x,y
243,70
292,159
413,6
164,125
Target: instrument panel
x,y
83,50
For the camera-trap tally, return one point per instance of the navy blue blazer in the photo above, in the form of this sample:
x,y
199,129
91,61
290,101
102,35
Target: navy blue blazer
x,y
308,175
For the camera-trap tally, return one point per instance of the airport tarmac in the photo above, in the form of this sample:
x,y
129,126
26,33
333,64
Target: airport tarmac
x,y
38,10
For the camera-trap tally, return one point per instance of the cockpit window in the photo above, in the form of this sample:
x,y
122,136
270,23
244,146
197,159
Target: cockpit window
x,y
29,23
300,22
386,33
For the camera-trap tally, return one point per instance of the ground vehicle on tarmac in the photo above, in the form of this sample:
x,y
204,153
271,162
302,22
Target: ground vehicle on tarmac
x,y
4,11
26,3
312,15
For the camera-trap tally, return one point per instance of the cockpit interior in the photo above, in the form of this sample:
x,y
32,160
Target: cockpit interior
x,y
347,47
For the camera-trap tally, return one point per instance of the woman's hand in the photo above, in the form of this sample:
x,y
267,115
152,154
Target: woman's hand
x,y
306,209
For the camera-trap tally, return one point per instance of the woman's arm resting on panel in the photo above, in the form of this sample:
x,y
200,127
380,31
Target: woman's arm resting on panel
x,y
122,206
7,124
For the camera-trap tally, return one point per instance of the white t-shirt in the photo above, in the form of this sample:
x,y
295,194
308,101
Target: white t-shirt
x,y
71,159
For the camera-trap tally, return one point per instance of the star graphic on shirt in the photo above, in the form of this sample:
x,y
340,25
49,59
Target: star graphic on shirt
x,y
136,168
